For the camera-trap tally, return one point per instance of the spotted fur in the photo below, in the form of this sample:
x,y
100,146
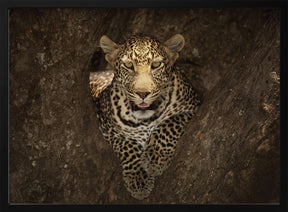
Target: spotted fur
x,y
99,81
145,109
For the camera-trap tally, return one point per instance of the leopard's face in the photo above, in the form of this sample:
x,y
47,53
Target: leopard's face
x,y
143,69
143,66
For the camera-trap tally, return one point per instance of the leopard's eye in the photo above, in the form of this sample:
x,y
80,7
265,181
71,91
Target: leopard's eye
x,y
155,65
128,65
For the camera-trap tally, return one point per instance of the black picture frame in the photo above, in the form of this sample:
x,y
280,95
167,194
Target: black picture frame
x,y
6,5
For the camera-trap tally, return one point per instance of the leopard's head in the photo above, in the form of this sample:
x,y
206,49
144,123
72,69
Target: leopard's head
x,y
143,65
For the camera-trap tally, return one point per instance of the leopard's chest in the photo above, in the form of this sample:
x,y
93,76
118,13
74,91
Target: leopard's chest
x,y
139,134
135,125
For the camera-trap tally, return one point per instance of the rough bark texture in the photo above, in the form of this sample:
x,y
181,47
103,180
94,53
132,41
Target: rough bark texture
x,y
229,152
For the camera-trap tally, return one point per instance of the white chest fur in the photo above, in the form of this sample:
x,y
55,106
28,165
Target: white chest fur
x,y
145,114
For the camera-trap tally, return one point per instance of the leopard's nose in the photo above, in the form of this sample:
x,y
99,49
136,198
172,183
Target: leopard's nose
x,y
143,95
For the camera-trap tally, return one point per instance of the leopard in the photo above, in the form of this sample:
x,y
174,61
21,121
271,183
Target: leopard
x,y
144,107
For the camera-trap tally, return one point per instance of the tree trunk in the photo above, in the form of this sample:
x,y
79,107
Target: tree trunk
x,y
229,152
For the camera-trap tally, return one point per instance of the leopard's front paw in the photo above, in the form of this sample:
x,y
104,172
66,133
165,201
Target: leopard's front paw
x,y
138,183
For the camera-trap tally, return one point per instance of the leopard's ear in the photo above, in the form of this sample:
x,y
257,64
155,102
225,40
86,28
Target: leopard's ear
x,y
109,47
174,45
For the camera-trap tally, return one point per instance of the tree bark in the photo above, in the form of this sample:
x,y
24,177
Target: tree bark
x,y
229,152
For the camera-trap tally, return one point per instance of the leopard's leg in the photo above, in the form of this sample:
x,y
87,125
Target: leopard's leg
x,y
137,181
163,140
